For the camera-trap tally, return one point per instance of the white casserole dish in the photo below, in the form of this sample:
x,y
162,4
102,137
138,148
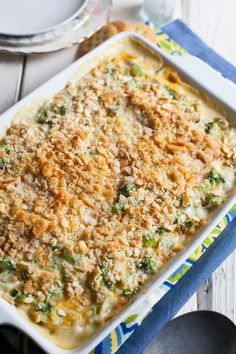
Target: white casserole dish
x,y
199,75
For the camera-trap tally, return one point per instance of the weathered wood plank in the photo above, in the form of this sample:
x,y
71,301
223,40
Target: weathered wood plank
x,y
204,295
11,68
214,21
40,68
224,288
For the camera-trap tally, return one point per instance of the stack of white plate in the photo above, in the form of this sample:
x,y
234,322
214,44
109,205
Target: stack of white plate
x,y
41,26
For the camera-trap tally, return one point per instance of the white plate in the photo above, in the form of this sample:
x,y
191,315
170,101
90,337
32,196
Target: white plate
x,y
29,17
93,16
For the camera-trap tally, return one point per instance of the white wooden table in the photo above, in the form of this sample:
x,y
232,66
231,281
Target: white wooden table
x,y
214,21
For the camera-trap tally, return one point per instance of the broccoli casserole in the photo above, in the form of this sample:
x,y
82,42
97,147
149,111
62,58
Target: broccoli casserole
x,y
101,187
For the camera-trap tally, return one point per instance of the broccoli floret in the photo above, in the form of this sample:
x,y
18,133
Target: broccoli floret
x,y
19,299
57,292
105,277
209,127
161,230
14,292
6,266
42,306
150,239
108,284
25,275
3,146
95,310
3,163
136,70
176,220
147,265
217,121
127,189
112,111
139,84
58,110
42,114
117,208
222,123
130,291
110,71
213,201
214,177
189,223
69,257
172,92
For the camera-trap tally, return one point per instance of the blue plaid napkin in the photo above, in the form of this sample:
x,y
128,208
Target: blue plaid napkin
x,y
188,40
